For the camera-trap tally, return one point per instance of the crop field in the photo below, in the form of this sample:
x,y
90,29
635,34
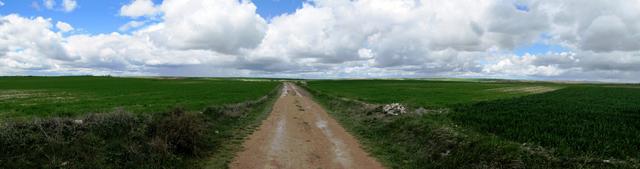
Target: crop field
x,y
428,93
72,96
586,121
108,122
492,124
52,122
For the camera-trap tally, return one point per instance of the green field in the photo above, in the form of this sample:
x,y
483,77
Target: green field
x,y
492,124
109,122
587,121
198,122
420,93
72,96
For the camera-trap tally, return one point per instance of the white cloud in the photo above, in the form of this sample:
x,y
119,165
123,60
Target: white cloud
x,y
133,53
141,52
131,25
225,26
1,3
66,5
521,66
63,26
601,26
620,66
69,5
343,38
49,4
397,33
29,44
138,8
447,37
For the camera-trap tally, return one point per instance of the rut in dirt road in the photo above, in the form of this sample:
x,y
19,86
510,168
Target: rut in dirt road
x,y
299,134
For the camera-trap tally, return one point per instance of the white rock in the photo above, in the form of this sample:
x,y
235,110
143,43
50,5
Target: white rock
x,y
394,109
77,121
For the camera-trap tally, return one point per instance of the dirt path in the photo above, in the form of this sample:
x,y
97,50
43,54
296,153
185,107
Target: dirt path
x,y
299,134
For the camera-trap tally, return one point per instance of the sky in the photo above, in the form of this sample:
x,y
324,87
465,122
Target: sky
x,y
574,40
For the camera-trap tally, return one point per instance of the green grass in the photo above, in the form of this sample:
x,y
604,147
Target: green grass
x,y
587,121
496,124
220,113
422,93
73,96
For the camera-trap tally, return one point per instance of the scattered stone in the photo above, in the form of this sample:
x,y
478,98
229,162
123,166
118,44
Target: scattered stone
x,y
394,109
78,121
446,153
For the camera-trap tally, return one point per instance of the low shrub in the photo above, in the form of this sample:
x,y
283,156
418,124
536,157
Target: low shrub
x,y
111,140
118,139
182,133
172,139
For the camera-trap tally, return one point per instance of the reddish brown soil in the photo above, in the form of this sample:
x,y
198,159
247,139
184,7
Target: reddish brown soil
x,y
299,134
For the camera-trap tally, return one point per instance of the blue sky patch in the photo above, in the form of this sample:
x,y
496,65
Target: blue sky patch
x,y
102,16
522,7
272,8
98,16
539,48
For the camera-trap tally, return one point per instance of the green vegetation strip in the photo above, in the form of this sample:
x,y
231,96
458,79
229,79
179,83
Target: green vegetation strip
x,y
428,94
179,138
571,126
27,97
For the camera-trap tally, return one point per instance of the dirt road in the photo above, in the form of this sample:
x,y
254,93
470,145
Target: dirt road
x,y
299,134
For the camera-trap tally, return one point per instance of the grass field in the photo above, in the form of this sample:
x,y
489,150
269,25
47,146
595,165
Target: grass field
x,y
587,121
492,124
420,93
133,123
108,122
72,96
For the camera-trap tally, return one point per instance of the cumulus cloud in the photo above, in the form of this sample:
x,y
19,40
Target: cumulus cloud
x,y
600,26
454,37
29,44
131,25
69,5
521,66
49,4
63,26
138,8
66,5
225,26
584,65
393,33
344,38
97,54
115,51
143,51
